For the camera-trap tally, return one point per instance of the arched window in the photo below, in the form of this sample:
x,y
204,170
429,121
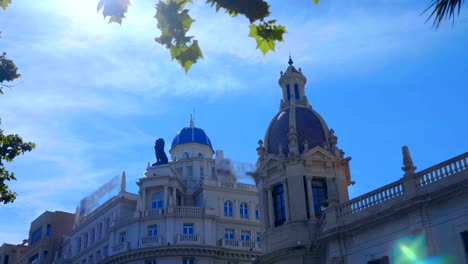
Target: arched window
x,y
186,155
278,202
228,208
200,155
288,91
244,210
157,201
319,192
296,91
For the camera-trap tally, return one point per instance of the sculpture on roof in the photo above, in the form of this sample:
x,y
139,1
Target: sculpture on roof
x,y
161,157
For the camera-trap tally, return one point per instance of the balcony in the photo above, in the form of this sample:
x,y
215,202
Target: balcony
x,y
154,212
188,239
240,244
121,247
152,241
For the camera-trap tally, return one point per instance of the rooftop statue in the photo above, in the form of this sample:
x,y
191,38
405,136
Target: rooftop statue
x,y
161,157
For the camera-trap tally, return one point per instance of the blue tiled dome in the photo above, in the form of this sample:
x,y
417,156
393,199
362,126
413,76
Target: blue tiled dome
x,y
191,135
308,127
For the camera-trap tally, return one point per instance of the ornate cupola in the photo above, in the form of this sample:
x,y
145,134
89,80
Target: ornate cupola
x,y
301,176
292,82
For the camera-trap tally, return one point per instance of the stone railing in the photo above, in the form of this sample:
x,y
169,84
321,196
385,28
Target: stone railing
x,y
152,241
120,246
188,239
447,173
153,212
189,211
373,198
230,185
443,170
242,244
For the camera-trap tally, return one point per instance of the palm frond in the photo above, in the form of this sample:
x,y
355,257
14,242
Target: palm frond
x,y
443,9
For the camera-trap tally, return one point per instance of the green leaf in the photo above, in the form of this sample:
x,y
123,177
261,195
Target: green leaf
x,y
4,3
115,9
266,35
316,2
253,9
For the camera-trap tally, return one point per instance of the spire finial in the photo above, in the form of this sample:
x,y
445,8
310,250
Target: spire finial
x,y
408,166
123,185
290,62
191,120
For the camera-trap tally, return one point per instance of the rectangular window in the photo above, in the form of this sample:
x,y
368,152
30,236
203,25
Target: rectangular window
x,y
296,91
7,259
122,237
188,261
179,171
383,260
213,173
36,235
151,262
202,171
259,237
288,90
104,251
257,214
188,229
98,254
152,230
48,230
229,234
465,242
278,202
319,192
245,236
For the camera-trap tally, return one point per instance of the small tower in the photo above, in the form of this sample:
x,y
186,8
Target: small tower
x,y
301,175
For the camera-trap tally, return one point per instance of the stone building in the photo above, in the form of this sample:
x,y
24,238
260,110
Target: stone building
x,y
46,237
303,177
190,210
10,254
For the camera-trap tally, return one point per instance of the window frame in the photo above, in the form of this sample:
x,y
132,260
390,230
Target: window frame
x,y
279,206
188,229
152,230
229,234
228,208
244,210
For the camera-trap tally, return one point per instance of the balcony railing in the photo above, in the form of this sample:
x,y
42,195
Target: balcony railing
x,y
189,211
153,212
188,239
230,185
120,246
152,241
447,173
240,244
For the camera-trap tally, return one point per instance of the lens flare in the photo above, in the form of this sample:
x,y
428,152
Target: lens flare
x,y
413,250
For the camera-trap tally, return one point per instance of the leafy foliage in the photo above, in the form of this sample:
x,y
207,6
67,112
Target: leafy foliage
x,y
4,3
10,145
444,9
8,71
174,21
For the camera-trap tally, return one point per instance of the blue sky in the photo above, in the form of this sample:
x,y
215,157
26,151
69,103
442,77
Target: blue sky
x,y
95,96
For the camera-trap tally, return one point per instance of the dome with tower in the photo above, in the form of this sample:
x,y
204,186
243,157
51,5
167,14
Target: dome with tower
x,y
296,120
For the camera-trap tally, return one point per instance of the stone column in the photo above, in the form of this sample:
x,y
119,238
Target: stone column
x,y
235,212
143,201
286,201
166,196
251,212
310,197
270,208
174,196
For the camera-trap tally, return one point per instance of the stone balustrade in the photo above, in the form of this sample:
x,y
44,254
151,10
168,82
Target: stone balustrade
x,y
120,247
443,170
153,212
240,244
189,211
230,185
152,241
188,239
373,198
447,173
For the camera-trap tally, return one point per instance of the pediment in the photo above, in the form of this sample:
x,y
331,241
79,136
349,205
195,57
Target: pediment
x,y
318,153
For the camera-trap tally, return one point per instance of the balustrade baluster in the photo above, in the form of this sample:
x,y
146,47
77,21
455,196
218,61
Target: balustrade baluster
x,y
464,166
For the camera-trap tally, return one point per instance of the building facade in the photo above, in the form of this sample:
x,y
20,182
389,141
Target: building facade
x,y
10,254
190,210
46,237
302,178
